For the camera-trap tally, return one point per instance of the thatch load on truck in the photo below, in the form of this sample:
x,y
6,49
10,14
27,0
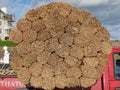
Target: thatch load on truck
x,y
60,46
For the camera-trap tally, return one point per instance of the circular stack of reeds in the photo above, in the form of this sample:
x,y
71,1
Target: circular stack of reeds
x,y
60,46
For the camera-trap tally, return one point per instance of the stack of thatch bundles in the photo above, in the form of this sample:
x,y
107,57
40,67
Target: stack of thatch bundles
x,y
60,46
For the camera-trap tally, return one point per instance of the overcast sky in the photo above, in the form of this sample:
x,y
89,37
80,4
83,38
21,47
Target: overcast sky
x,y
107,11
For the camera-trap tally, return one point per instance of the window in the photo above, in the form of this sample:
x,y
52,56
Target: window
x,y
0,15
0,22
117,89
8,31
6,38
116,57
9,24
0,31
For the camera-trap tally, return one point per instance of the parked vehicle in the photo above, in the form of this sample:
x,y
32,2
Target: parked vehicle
x,y
109,81
111,77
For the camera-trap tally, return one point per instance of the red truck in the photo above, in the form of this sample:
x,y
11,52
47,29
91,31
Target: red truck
x,y
109,81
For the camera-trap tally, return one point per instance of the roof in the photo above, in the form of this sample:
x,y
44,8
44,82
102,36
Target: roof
x,y
2,11
8,17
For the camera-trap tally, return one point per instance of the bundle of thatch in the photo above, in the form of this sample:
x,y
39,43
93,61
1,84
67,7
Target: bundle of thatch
x,y
60,46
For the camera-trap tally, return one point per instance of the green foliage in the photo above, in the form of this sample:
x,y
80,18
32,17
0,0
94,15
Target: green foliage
x,y
7,43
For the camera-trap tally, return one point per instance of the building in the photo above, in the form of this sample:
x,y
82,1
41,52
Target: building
x,y
6,21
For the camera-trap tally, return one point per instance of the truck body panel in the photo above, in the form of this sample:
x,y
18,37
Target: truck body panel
x,y
10,83
114,69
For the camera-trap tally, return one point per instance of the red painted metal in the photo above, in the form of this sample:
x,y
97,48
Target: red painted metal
x,y
111,66
108,82
113,83
10,83
105,79
98,85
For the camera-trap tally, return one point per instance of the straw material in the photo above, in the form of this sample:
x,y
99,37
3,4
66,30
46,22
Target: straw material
x,y
60,46
23,25
16,36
